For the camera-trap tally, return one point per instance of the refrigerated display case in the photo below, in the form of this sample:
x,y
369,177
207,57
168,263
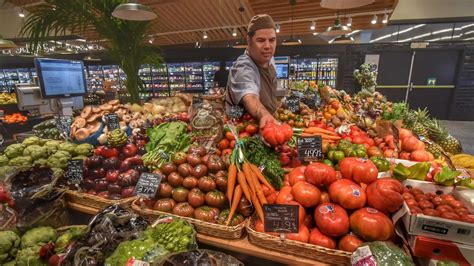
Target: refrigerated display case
x,y
160,80
321,70
10,77
209,68
194,77
176,77
111,77
95,78
327,71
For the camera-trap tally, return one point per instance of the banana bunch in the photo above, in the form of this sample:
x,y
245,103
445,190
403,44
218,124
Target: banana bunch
x,y
463,160
7,98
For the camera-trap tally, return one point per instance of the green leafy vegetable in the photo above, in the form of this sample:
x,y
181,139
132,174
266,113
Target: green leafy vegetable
x,y
446,176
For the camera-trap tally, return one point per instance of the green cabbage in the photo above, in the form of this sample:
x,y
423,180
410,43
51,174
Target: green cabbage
x,y
14,150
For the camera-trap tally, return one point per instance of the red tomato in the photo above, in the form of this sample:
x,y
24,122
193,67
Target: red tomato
x,y
251,129
349,243
320,174
450,215
301,236
357,139
284,196
301,212
229,136
371,224
306,194
444,208
424,204
369,141
331,219
358,169
223,144
448,197
455,204
430,212
297,175
324,197
347,194
385,195
259,227
319,239
232,144
266,190
244,135
272,197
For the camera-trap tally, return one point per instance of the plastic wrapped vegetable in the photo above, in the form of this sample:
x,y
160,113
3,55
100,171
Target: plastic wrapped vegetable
x,y
38,236
380,253
32,141
29,257
145,249
84,149
175,235
3,160
68,147
9,243
59,159
14,150
21,161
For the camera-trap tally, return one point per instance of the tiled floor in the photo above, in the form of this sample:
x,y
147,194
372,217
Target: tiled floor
x,y
464,132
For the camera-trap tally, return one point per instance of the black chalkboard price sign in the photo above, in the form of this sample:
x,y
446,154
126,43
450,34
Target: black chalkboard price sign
x,y
74,172
293,104
309,148
281,218
147,185
63,123
113,121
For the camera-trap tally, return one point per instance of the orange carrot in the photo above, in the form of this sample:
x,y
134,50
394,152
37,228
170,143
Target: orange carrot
x,y
313,130
259,191
260,177
235,203
248,176
231,178
244,185
258,207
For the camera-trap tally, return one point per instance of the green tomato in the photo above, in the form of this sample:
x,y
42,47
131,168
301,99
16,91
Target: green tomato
x,y
338,156
331,155
381,163
328,162
361,153
348,152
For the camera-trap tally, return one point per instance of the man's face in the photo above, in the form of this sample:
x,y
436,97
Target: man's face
x,y
261,46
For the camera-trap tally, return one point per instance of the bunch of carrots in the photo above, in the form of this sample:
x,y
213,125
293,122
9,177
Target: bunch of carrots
x,y
327,135
247,181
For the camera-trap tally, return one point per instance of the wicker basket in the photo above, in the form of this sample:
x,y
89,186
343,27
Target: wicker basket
x,y
321,254
95,202
212,229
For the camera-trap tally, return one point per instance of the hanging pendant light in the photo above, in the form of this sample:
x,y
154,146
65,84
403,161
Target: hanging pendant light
x,y
343,39
292,40
242,43
337,29
345,4
6,44
134,11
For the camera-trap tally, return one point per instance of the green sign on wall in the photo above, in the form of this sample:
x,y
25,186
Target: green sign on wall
x,y
431,81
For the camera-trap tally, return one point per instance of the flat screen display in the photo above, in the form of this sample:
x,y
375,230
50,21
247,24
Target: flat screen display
x,y
282,71
60,78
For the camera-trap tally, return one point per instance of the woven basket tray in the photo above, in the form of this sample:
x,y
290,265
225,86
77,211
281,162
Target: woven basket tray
x,y
321,254
212,229
95,202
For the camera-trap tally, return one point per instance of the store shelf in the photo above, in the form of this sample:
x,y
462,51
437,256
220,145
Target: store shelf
x,y
245,247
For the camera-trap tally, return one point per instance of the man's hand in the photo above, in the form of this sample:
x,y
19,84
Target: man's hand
x,y
266,119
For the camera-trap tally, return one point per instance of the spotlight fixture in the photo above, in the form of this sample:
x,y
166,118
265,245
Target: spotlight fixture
x,y
291,41
21,14
204,35
385,18
151,40
277,28
315,33
91,58
131,10
337,29
234,32
349,21
242,43
313,25
374,19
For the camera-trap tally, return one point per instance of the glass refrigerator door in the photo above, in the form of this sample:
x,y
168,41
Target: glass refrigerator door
x,y
3,82
194,77
209,69
327,71
160,80
111,77
11,78
24,75
176,76
95,80
306,69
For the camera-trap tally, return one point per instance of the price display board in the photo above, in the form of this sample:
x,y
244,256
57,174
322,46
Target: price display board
x,y
309,148
74,172
113,121
293,104
147,185
63,123
281,218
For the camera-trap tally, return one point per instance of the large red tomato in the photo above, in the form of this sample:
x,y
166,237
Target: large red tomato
x,y
349,243
358,169
297,175
320,174
347,194
385,195
301,212
284,196
371,224
306,194
302,235
272,197
331,219
320,239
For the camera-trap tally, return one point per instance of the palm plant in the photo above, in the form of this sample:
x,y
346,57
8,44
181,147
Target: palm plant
x,y
125,39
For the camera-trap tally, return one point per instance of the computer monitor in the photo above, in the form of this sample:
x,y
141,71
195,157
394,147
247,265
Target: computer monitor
x,y
59,78
282,71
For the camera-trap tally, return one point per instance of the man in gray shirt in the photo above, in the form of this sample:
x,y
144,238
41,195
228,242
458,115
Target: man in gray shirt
x,y
252,80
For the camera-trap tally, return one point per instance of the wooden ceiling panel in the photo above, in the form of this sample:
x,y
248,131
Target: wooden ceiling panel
x,y
183,21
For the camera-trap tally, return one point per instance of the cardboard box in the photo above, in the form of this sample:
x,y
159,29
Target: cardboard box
x,y
434,227
425,247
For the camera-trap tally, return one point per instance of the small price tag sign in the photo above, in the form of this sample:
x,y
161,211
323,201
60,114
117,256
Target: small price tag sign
x,y
293,104
310,148
74,172
63,123
113,121
147,185
281,218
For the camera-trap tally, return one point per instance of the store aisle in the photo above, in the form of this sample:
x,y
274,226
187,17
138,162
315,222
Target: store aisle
x,y
464,131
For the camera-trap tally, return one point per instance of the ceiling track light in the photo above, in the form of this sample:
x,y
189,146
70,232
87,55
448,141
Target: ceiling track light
x,y
374,19
151,40
234,32
204,35
21,14
277,28
385,18
313,25
349,21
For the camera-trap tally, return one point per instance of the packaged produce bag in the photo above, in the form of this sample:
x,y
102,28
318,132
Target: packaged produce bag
x,y
207,121
380,253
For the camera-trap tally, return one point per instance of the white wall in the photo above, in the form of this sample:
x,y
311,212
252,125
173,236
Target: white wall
x,y
10,22
429,9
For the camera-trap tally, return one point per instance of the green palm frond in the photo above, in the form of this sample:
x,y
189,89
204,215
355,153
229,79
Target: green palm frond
x,y
126,39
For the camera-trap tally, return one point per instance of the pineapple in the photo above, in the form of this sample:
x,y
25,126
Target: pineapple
x,y
435,149
416,121
441,136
